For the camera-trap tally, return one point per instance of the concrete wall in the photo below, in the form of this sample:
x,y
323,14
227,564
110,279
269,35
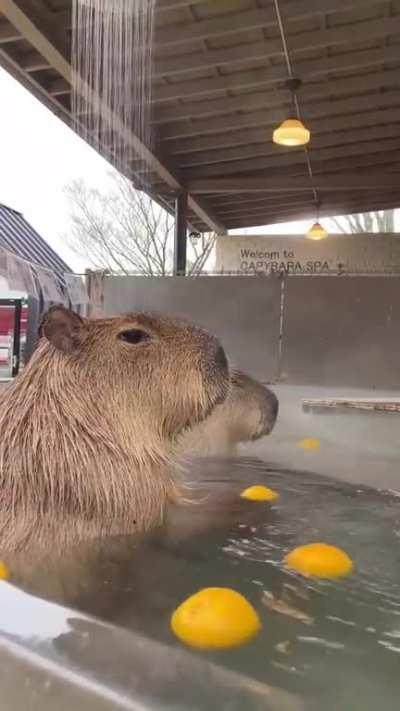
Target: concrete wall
x,y
335,331
242,311
342,331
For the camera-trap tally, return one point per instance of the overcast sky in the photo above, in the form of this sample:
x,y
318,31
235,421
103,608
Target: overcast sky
x,y
39,155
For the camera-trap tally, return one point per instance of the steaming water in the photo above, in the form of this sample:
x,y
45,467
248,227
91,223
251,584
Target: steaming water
x,y
112,59
348,658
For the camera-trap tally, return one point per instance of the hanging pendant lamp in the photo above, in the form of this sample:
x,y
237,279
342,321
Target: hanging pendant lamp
x,y
292,131
317,231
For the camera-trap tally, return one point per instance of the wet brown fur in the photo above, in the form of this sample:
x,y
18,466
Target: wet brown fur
x,y
248,413
88,430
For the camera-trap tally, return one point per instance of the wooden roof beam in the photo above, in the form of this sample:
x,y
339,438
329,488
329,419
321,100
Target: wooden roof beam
x,y
230,202
8,33
309,214
234,22
273,74
33,62
323,114
301,42
304,200
362,164
226,160
176,4
339,131
352,182
261,99
355,143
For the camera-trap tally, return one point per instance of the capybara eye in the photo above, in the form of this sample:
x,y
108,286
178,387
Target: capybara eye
x,y
134,336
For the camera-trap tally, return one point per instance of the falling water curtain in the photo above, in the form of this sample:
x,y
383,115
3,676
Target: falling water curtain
x,y
112,64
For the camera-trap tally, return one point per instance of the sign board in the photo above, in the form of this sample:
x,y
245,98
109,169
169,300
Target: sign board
x,y
295,254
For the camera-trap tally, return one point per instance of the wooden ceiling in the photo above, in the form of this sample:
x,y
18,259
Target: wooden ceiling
x,y
219,91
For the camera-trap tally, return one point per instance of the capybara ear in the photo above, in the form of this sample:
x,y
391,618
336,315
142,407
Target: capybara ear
x,y
62,328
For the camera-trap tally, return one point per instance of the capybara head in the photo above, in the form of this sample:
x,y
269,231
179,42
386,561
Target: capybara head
x,y
169,373
248,413
88,429
256,407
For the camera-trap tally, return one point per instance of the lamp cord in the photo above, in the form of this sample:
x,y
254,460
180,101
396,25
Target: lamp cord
x,y
294,95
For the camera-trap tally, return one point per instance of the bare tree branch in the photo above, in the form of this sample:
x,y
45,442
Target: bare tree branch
x,y
382,221
124,231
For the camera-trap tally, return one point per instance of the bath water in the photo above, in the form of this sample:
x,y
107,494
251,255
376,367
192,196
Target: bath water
x,y
337,644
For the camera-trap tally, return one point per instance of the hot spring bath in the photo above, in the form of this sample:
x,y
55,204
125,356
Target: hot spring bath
x,y
331,644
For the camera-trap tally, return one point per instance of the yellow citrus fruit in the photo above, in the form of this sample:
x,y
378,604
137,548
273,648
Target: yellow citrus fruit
x,y
309,443
4,572
215,618
259,493
319,560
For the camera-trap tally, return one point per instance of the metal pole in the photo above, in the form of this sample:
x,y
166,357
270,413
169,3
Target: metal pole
x,y
17,338
180,236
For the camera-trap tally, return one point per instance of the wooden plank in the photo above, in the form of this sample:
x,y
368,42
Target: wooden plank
x,y
287,215
295,201
8,33
274,185
361,164
163,5
262,77
218,163
213,146
329,208
286,212
58,87
224,202
353,145
233,22
391,405
33,62
290,11
325,116
267,99
301,42
302,201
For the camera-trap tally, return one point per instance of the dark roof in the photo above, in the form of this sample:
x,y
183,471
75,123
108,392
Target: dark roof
x,y
19,237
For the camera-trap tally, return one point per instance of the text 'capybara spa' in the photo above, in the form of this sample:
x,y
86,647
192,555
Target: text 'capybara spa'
x,y
88,431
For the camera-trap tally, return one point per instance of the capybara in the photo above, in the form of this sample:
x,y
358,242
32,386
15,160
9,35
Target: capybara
x,y
88,431
248,413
